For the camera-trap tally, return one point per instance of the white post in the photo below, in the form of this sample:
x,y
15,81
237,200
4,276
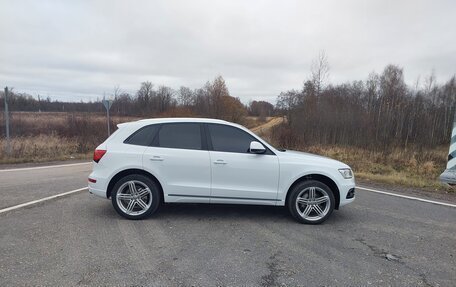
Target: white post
x,y
449,175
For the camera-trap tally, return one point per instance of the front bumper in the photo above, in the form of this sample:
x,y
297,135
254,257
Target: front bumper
x,y
347,192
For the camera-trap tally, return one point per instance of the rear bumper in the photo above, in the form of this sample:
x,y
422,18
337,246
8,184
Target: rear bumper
x,y
98,192
99,187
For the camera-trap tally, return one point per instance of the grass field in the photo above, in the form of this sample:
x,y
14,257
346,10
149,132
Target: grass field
x,y
411,168
40,137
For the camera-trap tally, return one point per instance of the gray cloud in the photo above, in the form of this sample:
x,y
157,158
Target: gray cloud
x,y
74,50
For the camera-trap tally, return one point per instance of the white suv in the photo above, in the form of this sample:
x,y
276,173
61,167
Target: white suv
x,y
189,160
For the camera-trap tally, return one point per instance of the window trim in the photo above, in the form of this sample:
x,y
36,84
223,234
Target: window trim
x,y
208,137
211,147
156,142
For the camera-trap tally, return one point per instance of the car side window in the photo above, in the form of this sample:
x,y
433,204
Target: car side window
x,y
180,135
144,136
229,139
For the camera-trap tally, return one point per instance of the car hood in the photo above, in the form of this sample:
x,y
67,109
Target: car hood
x,y
309,158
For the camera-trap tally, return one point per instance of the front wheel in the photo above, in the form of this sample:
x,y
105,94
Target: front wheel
x,y
311,202
135,196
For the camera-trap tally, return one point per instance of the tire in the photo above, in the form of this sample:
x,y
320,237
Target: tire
x,y
307,209
136,196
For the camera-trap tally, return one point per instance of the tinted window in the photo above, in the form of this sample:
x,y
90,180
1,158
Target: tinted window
x,y
186,136
143,136
229,139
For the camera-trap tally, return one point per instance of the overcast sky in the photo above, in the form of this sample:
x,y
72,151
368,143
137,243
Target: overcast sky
x,y
73,50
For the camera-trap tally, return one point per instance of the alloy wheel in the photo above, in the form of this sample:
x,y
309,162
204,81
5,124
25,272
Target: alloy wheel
x,y
134,197
313,203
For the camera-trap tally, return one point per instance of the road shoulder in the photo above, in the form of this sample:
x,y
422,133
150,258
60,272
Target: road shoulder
x,y
443,196
40,164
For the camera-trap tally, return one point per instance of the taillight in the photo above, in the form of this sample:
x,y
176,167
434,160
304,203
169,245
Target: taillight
x,y
98,154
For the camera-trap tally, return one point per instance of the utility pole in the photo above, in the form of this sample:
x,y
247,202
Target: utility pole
x,y
109,125
8,140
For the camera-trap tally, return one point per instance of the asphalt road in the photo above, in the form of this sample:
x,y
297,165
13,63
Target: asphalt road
x,y
19,186
378,240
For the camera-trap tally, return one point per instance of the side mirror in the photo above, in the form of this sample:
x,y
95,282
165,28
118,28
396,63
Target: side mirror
x,y
256,147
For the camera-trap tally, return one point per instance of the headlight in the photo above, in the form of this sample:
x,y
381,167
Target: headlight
x,y
346,173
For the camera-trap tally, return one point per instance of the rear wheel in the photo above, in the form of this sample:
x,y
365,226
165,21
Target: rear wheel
x,y
311,202
136,196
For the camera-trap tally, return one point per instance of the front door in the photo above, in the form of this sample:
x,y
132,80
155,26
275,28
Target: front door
x,y
239,176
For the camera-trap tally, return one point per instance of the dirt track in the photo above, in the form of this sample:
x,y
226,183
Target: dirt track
x,y
268,125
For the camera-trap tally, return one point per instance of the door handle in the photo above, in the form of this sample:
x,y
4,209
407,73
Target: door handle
x,y
220,161
157,158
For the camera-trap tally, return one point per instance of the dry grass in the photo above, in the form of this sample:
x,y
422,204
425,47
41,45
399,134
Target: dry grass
x,y
38,137
411,168
41,148
62,124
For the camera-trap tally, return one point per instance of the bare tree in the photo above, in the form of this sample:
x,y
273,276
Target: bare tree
x,y
185,96
116,92
261,109
217,90
145,95
164,98
320,71
430,88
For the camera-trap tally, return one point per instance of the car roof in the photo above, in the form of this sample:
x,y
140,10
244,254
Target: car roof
x,y
182,120
145,122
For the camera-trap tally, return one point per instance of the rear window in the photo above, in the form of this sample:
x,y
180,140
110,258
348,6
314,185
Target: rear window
x,y
144,136
180,135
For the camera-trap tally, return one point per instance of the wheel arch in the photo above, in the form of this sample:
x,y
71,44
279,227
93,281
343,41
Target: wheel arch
x,y
130,171
319,177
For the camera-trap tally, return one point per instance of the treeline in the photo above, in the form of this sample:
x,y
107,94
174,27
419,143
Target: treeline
x,y
211,100
380,113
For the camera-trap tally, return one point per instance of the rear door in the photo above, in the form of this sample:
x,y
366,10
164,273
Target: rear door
x,y
180,160
239,176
